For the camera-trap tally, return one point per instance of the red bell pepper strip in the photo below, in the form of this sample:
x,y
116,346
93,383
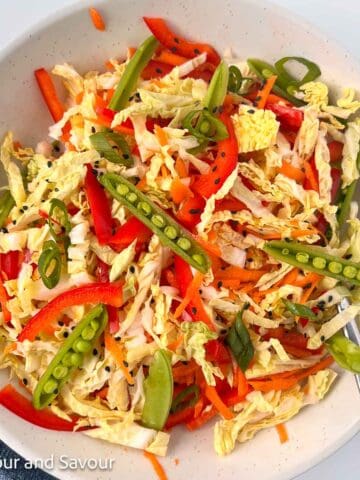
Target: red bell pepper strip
x,y
217,352
102,271
177,418
99,206
10,264
336,183
3,300
196,307
225,162
132,230
155,69
105,116
336,151
176,44
93,293
102,275
231,203
311,181
49,94
16,403
289,118
201,419
190,211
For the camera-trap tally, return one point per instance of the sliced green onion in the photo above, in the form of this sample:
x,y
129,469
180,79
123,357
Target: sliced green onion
x,y
216,93
58,217
313,71
50,264
132,72
207,127
6,204
236,80
101,142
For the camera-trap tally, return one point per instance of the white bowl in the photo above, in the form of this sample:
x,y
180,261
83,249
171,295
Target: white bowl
x,y
254,29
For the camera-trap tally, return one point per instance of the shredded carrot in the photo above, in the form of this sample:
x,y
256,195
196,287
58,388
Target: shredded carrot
x,y
97,19
282,432
79,97
131,51
308,279
181,168
109,65
289,278
119,128
116,350
307,293
265,91
170,58
277,235
175,344
242,383
239,274
142,184
190,292
109,94
161,135
164,171
202,419
313,181
292,172
280,382
159,470
212,395
179,192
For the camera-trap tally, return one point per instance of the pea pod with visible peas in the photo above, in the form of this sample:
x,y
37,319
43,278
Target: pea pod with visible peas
x,y
314,259
70,356
345,352
168,230
158,389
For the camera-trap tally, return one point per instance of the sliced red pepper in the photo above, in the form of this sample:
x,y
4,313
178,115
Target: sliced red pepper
x,y
232,204
102,271
201,419
177,44
105,116
292,341
16,403
102,275
132,230
336,183
321,224
190,211
3,301
178,418
311,181
93,293
99,206
336,151
290,118
203,72
49,94
155,69
225,162
196,307
217,352
10,264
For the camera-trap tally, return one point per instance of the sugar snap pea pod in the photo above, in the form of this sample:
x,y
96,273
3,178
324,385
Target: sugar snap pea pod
x,y
6,204
299,310
132,72
314,259
207,127
101,142
239,341
158,390
345,352
185,399
168,230
70,356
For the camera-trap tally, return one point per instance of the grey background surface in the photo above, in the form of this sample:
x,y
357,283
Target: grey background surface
x,y
340,21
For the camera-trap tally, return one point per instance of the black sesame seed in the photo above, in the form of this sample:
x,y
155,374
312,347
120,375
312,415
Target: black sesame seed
x,y
152,301
330,298
245,233
196,51
25,207
126,156
214,168
223,331
322,338
308,285
176,40
250,260
108,369
61,323
200,291
95,352
195,211
126,363
251,111
223,154
49,164
270,314
25,382
4,230
66,334
93,129
14,222
348,256
132,269
194,310
57,189
184,362
287,239
173,49
217,181
255,104
117,339
103,344
220,284
158,70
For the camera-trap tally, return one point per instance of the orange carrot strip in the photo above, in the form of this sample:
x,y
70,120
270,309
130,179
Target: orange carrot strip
x,y
164,171
282,432
309,172
242,383
181,168
209,247
238,273
131,51
307,293
179,192
165,56
201,420
292,172
117,352
142,184
290,277
159,470
175,344
213,397
161,135
3,300
97,19
309,278
191,290
265,91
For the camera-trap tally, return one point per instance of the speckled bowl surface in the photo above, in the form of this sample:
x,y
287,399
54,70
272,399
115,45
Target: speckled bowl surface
x,y
254,29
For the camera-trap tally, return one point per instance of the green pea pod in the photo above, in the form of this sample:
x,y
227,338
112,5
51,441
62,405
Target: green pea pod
x,y
314,259
185,399
239,341
216,93
166,228
50,264
345,352
158,389
58,220
313,71
207,127
101,142
128,81
6,205
299,310
70,356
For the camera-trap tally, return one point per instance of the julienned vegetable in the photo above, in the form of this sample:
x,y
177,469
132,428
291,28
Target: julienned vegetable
x,y
6,204
111,151
299,310
169,231
314,259
345,352
59,222
137,63
239,341
107,293
70,356
50,264
236,80
158,390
